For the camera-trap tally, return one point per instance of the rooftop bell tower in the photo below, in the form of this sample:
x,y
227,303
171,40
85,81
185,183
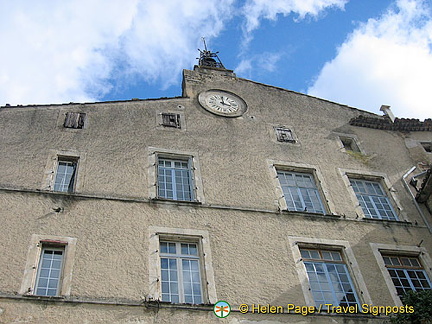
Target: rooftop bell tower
x,y
209,59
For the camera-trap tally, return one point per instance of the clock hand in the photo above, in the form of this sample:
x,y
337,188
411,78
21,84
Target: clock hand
x,y
223,102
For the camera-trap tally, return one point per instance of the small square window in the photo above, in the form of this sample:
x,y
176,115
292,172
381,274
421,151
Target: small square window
x,y
427,146
65,174
74,120
284,135
349,144
171,120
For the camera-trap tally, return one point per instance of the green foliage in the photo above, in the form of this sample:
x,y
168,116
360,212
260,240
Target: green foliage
x,y
422,302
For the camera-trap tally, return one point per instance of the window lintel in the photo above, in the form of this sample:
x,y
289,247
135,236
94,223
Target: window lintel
x,y
179,237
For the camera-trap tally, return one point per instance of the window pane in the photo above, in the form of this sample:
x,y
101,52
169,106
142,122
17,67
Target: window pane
x,y
65,176
174,180
372,199
183,280
49,272
407,279
300,192
330,282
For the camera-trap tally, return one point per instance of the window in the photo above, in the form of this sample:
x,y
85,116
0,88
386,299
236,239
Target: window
x,y
49,271
180,272
171,120
181,269
349,144
301,192
406,273
174,179
284,135
372,199
328,272
74,120
65,175
61,171
403,268
427,146
328,277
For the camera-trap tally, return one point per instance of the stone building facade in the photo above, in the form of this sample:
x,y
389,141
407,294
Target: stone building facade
x,y
152,211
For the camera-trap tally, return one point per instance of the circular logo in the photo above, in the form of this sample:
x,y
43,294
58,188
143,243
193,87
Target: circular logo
x,y
222,309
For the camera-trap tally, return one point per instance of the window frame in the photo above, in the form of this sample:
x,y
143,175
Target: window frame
x,y
296,243
189,188
274,166
51,168
349,144
405,270
199,237
179,257
53,248
299,190
32,269
75,120
385,196
180,118
74,161
420,253
326,265
280,131
169,123
386,186
194,169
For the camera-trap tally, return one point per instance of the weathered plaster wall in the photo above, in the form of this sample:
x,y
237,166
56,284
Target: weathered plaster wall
x,y
111,213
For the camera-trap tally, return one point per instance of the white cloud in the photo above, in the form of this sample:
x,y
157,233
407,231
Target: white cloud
x,y
61,51
75,50
386,61
164,38
254,10
52,50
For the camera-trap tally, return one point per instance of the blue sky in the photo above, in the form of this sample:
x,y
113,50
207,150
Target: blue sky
x,y
362,53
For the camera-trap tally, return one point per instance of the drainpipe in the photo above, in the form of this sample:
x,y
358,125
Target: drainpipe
x,y
412,196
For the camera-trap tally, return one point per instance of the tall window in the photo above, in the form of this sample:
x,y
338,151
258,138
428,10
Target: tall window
x,y
406,273
175,179
180,272
301,192
373,200
49,271
65,175
329,278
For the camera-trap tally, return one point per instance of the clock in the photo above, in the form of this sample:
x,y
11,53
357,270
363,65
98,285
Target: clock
x,y
222,103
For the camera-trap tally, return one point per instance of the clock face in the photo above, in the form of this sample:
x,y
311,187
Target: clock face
x,y
222,103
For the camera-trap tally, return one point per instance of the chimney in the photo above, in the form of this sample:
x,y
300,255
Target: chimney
x,y
386,110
